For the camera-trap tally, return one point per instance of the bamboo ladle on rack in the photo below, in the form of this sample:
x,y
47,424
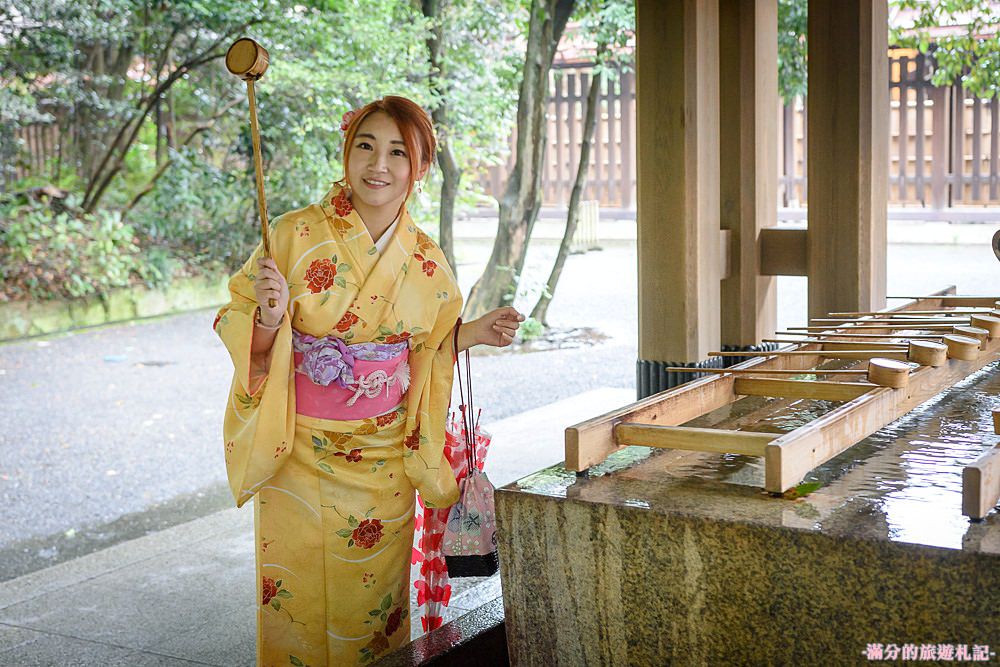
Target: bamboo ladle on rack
x,y
249,60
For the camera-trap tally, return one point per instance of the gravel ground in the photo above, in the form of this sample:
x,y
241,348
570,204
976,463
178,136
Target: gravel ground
x,y
110,433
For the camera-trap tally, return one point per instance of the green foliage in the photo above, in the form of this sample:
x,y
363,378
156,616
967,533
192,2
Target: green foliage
x,y
68,254
93,69
199,215
531,329
792,28
609,24
100,67
968,52
479,74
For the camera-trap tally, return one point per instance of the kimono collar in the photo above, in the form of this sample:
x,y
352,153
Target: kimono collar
x,y
379,275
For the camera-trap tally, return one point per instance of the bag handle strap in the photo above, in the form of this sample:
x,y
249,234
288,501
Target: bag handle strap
x,y
465,408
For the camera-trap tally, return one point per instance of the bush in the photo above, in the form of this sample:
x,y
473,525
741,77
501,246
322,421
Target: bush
x,y
47,254
199,219
531,329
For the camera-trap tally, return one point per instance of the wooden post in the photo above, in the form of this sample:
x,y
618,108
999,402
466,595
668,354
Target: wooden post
x,y
748,70
628,140
848,110
981,485
677,142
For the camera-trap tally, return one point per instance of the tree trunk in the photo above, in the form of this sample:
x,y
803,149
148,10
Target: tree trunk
x,y
451,179
540,311
521,198
114,157
451,174
159,133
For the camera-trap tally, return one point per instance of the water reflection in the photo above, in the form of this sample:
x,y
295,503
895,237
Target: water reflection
x,y
902,483
913,466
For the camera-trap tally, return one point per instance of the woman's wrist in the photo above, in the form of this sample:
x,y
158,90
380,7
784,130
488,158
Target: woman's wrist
x,y
465,336
259,323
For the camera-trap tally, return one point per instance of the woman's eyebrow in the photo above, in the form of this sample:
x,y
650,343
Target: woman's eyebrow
x,y
372,136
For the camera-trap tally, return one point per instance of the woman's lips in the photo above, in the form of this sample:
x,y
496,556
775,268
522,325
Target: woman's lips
x,y
378,185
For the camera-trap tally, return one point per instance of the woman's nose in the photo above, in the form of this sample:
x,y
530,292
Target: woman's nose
x,y
377,162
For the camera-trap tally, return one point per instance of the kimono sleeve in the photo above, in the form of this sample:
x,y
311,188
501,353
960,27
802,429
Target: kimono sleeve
x,y
432,369
259,427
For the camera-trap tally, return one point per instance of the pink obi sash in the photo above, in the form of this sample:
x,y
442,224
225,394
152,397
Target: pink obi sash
x,y
334,380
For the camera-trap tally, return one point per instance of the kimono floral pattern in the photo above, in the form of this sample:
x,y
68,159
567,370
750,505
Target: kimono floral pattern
x,y
334,500
320,275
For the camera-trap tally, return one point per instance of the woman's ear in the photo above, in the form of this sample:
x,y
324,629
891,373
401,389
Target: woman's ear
x,y
424,168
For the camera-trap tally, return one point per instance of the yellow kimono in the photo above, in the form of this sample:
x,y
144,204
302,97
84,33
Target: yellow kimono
x,y
334,509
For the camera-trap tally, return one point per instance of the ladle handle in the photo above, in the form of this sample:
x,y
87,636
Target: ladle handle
x,y
259,171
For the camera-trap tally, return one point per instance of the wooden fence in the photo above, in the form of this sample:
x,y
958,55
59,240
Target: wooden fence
x,y
611,173
944,144
943,151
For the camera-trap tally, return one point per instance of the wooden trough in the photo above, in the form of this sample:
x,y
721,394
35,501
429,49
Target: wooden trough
x,y
657,421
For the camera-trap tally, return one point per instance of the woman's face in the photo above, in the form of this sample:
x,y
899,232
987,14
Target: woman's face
x,y
379,165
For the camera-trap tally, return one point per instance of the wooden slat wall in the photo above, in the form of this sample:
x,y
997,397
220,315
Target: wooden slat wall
x,y
943,148
611,172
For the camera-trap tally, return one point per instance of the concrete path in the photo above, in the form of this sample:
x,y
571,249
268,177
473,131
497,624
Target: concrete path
x,y
186,595
111,433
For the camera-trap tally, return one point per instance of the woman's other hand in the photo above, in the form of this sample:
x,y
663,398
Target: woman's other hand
x,y
496,328
270,284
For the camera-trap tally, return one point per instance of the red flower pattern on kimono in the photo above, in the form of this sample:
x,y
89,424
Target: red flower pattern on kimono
x,y
393,622
378,644
346,322
427,265
353,456
386,419
320,275
341,204
368,533
397,338
412,441
269,589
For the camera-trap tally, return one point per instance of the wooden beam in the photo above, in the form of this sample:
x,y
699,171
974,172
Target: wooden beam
x,y
878,327
954,300
981,485
839,334
888,320
783,252
848,168
815,389
677,161
755,371
789,458
748,185
693,439
835,344
939,311
590,442
887,353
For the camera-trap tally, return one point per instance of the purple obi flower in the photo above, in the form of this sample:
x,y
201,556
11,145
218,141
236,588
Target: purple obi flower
x,y
325,360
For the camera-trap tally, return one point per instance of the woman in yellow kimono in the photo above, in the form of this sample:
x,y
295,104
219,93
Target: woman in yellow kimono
x,y
338,403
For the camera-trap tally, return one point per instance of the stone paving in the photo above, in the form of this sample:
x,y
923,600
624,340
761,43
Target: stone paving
x,y
186,595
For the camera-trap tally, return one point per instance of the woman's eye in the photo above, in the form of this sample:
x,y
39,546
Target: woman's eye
x,y
399,151
364,144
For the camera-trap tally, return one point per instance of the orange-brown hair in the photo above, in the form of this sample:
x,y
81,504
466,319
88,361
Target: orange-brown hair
x,y
413,123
